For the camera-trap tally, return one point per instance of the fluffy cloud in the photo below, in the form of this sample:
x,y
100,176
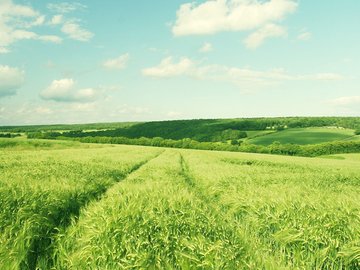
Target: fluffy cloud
x,y
15,22
9,8
69,26
10,80
57,19
75,31
345,101
258,37
64,91
229,15
168,68
207,47
117,63
238,76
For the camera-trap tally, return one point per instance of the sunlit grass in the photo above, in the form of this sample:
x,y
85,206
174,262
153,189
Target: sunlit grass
x,y
178,209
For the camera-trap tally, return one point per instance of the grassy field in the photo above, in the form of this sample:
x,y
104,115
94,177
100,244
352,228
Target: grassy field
x,y
304,136
353,138
131,207
257,133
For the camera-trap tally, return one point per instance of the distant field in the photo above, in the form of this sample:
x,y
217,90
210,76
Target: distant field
x,y
131,207
304,136
256,133
353,138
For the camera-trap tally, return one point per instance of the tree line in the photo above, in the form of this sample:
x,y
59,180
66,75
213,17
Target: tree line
x,y
329,148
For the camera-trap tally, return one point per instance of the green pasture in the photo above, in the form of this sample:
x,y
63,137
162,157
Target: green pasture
x,y
304,136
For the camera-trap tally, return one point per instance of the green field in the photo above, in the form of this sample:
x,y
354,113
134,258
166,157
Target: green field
x,y
304,136
129,207
353,138
258,133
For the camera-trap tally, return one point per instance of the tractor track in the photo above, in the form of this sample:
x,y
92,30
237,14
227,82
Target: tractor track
x,y
43,246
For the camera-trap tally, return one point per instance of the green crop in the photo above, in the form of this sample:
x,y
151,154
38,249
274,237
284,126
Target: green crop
x,y
131,207
40,191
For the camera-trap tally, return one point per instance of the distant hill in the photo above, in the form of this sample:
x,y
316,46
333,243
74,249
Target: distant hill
x,y
258,131
214,130
217,130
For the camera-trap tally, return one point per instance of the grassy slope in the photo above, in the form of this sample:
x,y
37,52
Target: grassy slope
x,y
304,136
258,133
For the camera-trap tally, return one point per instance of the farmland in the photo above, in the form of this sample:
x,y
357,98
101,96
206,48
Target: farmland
x,y
303,136
67,205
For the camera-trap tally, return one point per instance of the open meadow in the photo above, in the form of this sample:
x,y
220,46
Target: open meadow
x,y
67,205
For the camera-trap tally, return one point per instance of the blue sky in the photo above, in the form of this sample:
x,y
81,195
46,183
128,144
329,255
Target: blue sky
x,y
106,61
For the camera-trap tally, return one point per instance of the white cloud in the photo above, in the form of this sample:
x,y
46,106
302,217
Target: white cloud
x,y
167,68
9,8
258,37
39,21
15,22
57,19
65,7
243,77
345,101
117,63
75,31
10,80
64,91
50,38
215,16
207,47
304,35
